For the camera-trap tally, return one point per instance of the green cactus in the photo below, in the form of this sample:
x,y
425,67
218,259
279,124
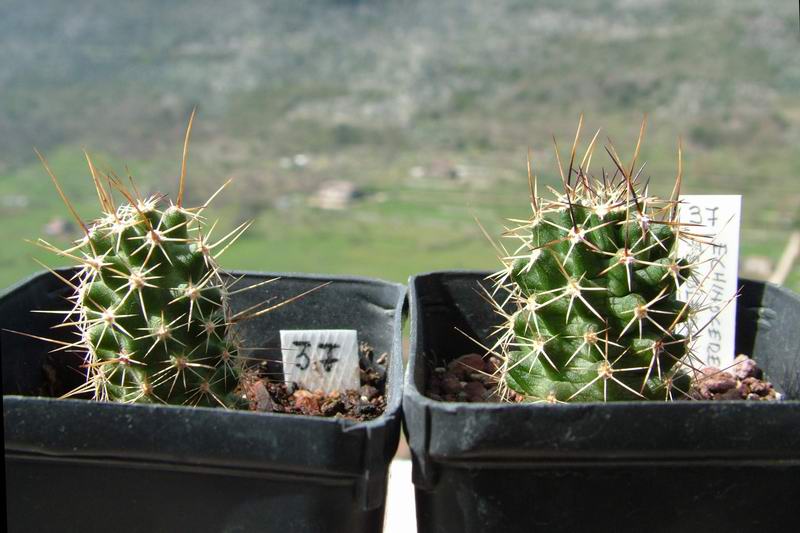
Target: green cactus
x,y
593,287
149,301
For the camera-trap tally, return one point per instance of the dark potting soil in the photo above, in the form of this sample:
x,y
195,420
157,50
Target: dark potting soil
x,y
473,378
269,395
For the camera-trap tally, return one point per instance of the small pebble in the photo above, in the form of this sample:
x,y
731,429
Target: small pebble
x,y
716,380
451,384
368,392
263,401
475,391
744,367
465,365
760,387
305,401
729,394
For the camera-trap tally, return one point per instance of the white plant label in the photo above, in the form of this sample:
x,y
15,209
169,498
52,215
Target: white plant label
x,y
717,217
321,359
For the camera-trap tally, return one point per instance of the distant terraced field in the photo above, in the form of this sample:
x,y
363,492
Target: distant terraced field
x,y
427,107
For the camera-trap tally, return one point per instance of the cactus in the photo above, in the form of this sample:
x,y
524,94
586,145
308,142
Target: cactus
x,y
592,290
149,302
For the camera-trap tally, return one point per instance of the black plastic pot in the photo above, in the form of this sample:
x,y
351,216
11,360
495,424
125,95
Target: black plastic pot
x,y
622,467
76,465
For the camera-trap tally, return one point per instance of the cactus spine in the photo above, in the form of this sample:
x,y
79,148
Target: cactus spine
x,y
592,287
149,301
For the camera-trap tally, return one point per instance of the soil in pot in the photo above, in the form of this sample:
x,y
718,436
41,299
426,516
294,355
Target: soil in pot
x,y
267,394
472,378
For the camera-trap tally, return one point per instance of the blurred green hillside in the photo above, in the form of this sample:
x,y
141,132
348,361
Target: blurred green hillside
x,y
427,108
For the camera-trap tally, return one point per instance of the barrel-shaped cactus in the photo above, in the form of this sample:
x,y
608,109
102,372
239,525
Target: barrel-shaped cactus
x,y
591,307
150,305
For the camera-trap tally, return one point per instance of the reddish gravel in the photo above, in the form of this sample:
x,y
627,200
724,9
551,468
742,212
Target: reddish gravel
x,y
366,403
743,381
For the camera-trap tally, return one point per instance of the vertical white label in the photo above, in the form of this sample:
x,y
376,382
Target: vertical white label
x,y
715,280
321,359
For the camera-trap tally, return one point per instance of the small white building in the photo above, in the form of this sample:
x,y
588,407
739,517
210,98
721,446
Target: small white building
x,y
335,194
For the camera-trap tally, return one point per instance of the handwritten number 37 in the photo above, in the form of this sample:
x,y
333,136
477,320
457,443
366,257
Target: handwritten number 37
x,y
303,361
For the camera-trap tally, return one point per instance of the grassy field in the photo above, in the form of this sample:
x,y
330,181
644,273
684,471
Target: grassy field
x,y
428,107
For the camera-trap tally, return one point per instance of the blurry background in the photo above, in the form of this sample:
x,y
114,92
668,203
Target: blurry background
x,y
364,137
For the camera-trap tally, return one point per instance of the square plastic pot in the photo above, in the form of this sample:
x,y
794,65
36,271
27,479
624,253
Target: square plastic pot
x,y
621,467
91,466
